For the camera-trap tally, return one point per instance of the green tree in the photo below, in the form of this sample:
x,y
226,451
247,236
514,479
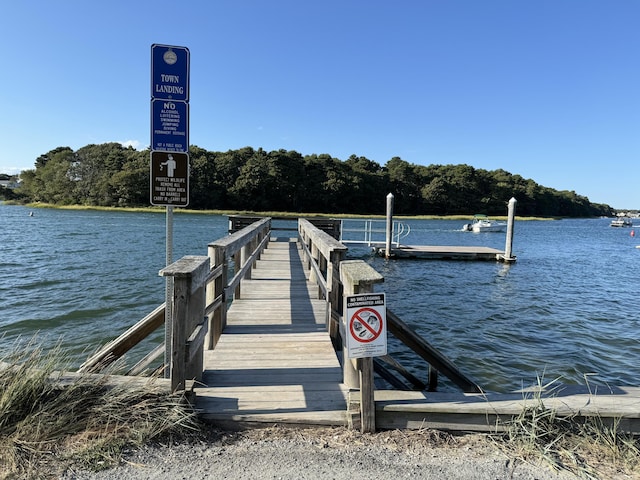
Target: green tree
x,y
130,186
251,189
93,169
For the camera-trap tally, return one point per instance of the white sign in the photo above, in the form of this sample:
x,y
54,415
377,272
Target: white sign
x,y
366,325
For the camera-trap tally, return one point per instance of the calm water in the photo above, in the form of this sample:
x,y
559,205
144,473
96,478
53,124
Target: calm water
x,y
567,308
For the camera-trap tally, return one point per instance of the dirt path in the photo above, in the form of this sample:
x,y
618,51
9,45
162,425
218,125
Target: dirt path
x,y
325,453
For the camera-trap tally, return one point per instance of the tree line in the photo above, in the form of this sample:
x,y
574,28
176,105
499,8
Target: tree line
x,y
110,174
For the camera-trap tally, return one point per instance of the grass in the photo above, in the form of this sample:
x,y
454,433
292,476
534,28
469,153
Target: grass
x,y
50,421
589,447
292,215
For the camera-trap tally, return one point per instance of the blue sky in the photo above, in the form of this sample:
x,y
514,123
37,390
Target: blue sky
x,y
547,89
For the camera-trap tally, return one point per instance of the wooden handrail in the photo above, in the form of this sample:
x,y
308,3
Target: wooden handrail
x,y
243,248
318,275
323,254
249,262
188,324
424,349
234,242
125,342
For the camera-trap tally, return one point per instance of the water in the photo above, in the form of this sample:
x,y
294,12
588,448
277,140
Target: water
x,y
566,309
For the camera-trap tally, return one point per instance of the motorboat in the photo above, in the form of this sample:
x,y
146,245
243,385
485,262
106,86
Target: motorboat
x,y
622,222
482,223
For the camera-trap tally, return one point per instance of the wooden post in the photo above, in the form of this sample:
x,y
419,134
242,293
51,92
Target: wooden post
x,y
359,277
237,265
389,229
189,274
247,250
507,257
217,257
314,258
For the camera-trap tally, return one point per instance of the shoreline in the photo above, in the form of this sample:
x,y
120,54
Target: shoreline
x,y
292,215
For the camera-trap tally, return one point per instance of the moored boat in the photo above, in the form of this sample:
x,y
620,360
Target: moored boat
x,y
482,223
622,222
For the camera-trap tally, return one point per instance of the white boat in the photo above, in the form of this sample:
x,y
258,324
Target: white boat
x,y
622,222
482,223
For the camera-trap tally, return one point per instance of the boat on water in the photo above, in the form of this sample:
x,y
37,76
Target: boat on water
x,y
482,223
622,222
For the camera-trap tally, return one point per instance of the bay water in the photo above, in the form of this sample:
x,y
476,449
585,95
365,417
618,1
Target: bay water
x,y
567,309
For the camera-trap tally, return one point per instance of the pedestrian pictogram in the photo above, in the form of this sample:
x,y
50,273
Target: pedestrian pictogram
x,y
366,325
169,179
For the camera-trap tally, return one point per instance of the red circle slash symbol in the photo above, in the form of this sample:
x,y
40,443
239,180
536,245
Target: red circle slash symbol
x,y
366,325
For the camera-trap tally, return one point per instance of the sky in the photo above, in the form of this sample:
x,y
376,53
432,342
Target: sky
x,y
545,89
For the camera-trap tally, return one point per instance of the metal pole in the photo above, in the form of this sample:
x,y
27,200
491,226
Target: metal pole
x,y
168,308
387,252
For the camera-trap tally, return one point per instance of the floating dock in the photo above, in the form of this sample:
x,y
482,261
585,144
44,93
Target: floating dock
x,y
435,252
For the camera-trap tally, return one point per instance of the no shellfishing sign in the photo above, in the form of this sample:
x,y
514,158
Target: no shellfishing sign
x,y
367,325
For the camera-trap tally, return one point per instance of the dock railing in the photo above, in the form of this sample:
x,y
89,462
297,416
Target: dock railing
x,y
240,250
202,288
322,254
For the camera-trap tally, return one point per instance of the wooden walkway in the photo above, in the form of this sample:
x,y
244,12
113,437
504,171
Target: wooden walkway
x,y
274,361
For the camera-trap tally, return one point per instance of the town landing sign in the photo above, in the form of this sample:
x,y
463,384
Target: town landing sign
x,y
169,126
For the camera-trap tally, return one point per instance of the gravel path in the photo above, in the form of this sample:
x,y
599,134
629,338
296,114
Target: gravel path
x,y
324,453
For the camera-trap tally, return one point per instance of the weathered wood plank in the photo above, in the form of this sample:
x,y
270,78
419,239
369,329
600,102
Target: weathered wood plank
x,y
125,342
491,411
274,361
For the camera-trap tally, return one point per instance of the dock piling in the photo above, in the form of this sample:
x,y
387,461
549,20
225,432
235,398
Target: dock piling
x,y
511,213
389,229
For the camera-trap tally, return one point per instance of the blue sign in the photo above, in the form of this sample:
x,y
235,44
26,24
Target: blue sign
x,y
169,72
170,125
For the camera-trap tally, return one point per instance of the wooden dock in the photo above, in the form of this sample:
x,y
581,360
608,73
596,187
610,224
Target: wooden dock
x,y
275,361
264,352
435,252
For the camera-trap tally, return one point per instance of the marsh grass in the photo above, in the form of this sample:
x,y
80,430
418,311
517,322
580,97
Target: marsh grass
x,y
292,215
50,421
590,447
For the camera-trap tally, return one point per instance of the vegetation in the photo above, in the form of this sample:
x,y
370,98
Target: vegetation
x,y
590,448
255,180
49,422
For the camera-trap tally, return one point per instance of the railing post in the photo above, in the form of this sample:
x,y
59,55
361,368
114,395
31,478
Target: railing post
x,y
217,320
247,250
335,295
189,275
359,277
237,265
314,258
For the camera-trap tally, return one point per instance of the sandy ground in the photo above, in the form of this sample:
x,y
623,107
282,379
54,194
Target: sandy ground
x,y
324,453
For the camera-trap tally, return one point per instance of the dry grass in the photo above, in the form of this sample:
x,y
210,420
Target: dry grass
x,y
47,425
589,447
50,423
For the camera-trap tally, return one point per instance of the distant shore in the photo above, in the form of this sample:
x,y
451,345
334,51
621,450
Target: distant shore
x,y
178,210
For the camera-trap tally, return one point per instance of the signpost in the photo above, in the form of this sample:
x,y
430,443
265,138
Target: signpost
x,y
169,164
